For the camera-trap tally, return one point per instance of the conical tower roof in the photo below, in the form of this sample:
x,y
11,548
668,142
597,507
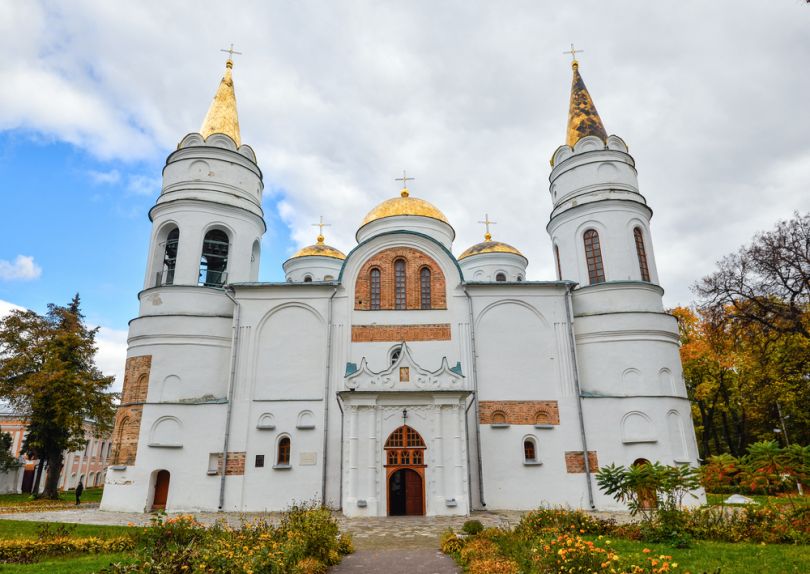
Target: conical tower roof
x,y
222,117
583,119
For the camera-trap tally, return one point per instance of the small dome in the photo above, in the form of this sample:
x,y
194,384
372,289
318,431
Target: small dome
x,y
320,249
404,205
489,246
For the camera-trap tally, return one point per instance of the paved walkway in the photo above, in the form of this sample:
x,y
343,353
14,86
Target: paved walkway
x,y
397,561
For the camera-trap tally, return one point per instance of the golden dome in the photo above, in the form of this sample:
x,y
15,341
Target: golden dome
x,y
404,205
320,249
489,246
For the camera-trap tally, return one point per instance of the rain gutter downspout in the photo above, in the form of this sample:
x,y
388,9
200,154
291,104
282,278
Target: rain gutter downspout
x,y
326,394
231,384
569,311
475,392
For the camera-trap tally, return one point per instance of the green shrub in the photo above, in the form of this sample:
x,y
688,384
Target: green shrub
x,y
449,543
472,527
561,519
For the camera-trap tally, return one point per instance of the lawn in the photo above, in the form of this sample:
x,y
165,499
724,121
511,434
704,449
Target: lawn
x,y
739,558
67,564
89,495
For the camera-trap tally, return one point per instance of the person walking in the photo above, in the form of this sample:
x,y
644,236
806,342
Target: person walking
x,y
79,490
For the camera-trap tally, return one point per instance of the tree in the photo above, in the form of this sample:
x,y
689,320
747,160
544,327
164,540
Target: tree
x,y
767,282
7,460
47,375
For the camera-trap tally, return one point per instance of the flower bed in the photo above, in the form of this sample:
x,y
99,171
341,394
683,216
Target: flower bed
x,y
307,541
25,550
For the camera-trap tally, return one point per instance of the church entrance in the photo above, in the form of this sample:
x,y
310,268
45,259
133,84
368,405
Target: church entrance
x,y
405,471
161,490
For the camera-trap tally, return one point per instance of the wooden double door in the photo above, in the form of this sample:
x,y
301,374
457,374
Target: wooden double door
x,y
406,492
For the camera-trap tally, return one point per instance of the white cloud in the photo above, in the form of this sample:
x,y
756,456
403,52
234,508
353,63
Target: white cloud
x,y
105,177
7,307
143,185
22,268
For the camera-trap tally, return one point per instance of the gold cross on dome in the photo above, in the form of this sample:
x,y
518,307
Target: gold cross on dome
x,y
320,225
487,223
404,179
230,51
573,53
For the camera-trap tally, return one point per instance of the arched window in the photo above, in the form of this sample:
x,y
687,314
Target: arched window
x,y
593,256
642,254
557,260
404,447
399,284
424,287
395,353
520,278
375,289
170,256
283,458
500,277
214,259
529,450
307,278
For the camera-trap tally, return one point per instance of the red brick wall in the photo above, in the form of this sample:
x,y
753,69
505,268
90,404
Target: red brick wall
x,y
575,462
128,418
520,412
415,260
235,464
125,434
136,379
395,333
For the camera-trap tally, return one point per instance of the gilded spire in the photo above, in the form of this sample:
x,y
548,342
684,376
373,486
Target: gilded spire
x,y
583,119
222,117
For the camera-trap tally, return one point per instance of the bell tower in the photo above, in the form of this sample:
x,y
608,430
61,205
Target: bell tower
x,y
208,221
600,224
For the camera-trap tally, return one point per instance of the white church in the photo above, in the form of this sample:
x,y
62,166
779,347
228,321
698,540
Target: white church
x,y
409,376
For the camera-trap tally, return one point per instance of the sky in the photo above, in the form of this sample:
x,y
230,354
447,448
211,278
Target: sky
x,y
337,98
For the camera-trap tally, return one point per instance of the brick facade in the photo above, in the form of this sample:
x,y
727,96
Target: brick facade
x,y
398,333
136,379
519,412
575,462
235,466
415,261
128,418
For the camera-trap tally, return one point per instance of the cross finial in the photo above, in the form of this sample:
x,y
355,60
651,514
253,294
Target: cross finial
x,y
404,179
487,223
320,225
573,53
230,51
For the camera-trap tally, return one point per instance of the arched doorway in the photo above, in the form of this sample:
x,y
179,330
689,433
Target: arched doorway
x,y
405,472
646,496
161,490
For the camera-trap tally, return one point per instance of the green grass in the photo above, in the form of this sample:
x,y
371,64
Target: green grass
x,y
739,558
89,495
717,499
28,529
67,564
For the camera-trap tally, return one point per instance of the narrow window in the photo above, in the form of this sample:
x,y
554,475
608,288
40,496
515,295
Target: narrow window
x,y
399,284
642,254
529,452
395,354
500,277
308,279
214,259
557,259
375,289
593,256
170,256
424,284
284,451
259,460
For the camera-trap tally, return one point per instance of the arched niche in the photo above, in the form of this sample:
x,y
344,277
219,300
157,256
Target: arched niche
x,y
306,420
266,422
677,437
636,427
166,432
